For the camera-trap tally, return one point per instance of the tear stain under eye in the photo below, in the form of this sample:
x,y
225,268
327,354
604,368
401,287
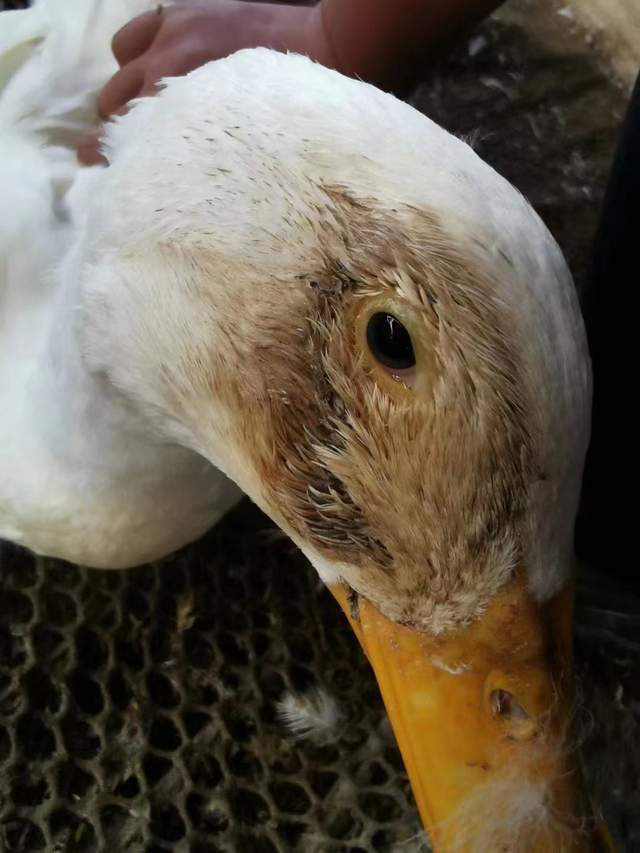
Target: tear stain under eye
x,y
404,377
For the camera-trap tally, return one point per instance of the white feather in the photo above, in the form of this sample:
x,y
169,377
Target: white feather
x,y
507,815
314,714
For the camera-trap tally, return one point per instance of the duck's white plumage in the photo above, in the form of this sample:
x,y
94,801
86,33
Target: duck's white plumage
x,y
83,477
226,171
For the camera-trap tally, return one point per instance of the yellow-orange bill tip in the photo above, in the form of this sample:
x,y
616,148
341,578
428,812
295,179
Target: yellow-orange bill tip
x,y
482,718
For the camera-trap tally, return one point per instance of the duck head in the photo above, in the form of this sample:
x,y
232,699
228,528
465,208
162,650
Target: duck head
x,y
359,322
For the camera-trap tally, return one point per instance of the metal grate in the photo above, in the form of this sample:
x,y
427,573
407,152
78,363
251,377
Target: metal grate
x,y
138,709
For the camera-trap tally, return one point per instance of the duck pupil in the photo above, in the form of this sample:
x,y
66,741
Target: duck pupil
x,y
390,342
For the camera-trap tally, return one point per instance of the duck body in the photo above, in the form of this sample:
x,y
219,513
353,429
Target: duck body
x,y
84,477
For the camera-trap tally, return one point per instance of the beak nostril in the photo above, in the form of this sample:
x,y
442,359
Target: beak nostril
x,y
504,705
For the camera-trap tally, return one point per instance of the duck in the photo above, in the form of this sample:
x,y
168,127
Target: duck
x,y
290,285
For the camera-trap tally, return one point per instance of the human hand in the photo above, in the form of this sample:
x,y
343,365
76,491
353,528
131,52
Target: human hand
x,y
173,40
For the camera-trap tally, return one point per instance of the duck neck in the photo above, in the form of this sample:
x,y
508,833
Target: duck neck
x,y
64,427
77,413
86,475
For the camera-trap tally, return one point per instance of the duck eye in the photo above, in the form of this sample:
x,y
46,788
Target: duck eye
x,y
390,342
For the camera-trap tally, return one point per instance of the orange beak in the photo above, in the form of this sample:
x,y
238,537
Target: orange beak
x,y
482,718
